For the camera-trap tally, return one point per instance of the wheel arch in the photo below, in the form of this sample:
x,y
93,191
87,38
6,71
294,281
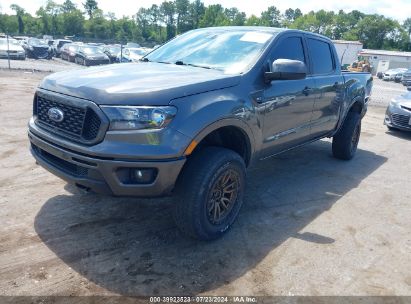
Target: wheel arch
x,y
356,105
230,131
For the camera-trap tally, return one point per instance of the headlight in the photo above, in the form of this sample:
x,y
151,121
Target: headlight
x,y
139,118
394,104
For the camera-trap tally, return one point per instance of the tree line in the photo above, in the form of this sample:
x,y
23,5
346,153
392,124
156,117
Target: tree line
x,y
159,23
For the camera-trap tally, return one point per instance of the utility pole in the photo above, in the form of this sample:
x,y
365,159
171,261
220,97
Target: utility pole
x,y
8,50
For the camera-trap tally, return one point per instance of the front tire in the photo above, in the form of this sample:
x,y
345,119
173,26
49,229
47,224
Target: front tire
x,y
345,142
209,193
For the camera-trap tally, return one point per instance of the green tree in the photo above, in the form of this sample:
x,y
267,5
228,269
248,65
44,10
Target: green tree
x,y
53,10
19,13
214,16
253,20
68,6
271,17
374,29
90,6
197,11
235,16
183,18
407,25
167,10
73,23
290,15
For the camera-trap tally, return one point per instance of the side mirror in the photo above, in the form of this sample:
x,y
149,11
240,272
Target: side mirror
x,y
286,69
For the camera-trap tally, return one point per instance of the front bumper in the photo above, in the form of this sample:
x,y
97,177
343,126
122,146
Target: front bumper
x,y
103,175
406,82
18,56
91,62
399,118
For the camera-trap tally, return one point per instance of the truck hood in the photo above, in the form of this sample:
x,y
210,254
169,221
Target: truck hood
x,y
145,83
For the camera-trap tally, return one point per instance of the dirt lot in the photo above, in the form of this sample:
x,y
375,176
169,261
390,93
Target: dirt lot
x,y
40,65
310,225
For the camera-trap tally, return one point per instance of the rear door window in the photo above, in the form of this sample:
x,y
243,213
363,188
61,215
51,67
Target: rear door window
x,y
321,57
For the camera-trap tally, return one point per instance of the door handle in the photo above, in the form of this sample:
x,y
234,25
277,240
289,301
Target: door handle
x,y
307,91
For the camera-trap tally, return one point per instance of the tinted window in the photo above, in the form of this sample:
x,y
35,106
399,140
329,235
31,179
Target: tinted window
x,y
289,48
321,57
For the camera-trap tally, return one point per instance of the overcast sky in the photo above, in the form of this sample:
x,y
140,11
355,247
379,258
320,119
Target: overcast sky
x,y
397,9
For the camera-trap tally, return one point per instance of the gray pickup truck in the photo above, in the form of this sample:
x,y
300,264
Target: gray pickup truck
x,y
194,114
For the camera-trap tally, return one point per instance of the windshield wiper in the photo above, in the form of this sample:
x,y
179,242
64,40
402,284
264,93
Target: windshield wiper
x,y
144,59
179,62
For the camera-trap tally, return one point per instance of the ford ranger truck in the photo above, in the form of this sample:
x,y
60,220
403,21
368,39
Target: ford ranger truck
x,y
194,114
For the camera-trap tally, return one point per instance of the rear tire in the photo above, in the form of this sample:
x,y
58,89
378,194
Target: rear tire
x,y
345,142
209,193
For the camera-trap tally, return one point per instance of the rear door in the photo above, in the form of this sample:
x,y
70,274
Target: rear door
x,y
329,85
288,103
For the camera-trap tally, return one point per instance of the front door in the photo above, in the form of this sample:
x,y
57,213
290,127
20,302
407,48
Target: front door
x,y
288,103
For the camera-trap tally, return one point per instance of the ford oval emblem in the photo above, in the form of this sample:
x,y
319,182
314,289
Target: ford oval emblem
x,y
55,114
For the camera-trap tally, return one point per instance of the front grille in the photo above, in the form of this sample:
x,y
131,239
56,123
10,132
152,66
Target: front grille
x,y
401,120
98,62
40,52
82,124
63,165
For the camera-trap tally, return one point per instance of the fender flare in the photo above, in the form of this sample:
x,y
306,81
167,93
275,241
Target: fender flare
x,y
359,98
230,122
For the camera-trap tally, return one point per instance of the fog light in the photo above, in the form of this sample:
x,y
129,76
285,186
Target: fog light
x,y
143,175
387,119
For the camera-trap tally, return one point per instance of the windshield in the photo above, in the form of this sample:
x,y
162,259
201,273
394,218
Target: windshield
x,y
35,41
231,51
114,49
91,50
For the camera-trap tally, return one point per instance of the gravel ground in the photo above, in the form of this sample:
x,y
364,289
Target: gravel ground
x,y
310,225
40,65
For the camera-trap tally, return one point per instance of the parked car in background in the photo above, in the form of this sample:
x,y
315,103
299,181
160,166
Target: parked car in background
x,y
13,50
398,77
69,51
91,55
58,44
406,78
398,114
380,75
21,39
132,45
112,51
37,49
390,74
132,54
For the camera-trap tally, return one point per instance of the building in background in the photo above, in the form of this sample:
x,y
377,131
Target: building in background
x,y
347,51
382,61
